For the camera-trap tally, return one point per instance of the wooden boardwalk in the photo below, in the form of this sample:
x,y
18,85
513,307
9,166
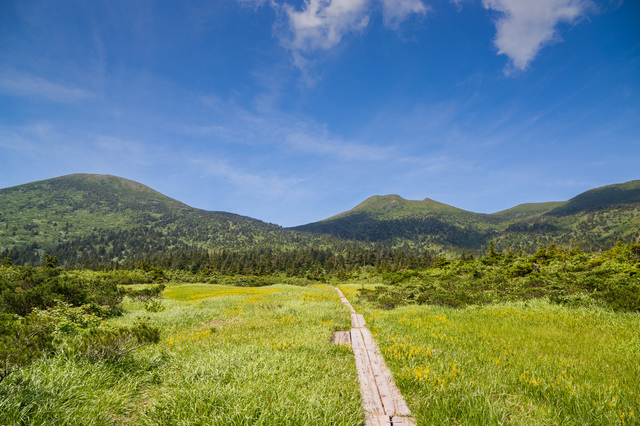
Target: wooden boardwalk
x,y
383,402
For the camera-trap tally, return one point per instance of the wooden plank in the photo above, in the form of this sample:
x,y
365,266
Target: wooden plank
x,y
402,421
375,359
394,403
344,300
401,407
370,398
362,321
372,420
382,401
341,338
354,320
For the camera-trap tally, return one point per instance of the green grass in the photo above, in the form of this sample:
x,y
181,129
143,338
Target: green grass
x,y
520,363
245,356
228,356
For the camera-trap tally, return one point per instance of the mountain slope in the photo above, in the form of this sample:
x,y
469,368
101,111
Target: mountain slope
x,y
99,218
393,219
527,210
599,198
593,220
395,207
86,219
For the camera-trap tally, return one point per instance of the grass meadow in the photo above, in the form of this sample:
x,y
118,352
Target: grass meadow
x,y
262,356
228,356
525,363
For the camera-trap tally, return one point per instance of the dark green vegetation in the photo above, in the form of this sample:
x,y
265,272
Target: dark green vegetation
x,y
568,277
104,221
46,310
89,219
591,221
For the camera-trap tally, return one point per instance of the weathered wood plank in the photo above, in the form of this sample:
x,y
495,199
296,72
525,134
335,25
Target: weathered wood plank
x,y
402,421
378,420
382,379
341,338
368,388
385,378
382,401
361,321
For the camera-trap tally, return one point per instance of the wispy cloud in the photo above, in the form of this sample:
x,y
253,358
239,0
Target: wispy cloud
x,y
342,150
266,183
320,25
395,12
282,131
525,26
135,149
31,86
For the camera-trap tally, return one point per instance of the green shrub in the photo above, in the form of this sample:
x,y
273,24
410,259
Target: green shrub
x,y
145,294
154,306
113,343
23,289
565,277
519,270
22,341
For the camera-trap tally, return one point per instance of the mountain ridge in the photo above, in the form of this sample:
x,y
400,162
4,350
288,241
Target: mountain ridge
x,y
101,216
105,217
431,224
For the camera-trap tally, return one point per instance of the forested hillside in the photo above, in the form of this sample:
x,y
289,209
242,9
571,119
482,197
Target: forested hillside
x,y
592,221
105,220
86,219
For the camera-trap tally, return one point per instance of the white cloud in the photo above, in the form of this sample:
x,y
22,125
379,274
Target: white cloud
x,y
395,12
525,26
24,85
321,24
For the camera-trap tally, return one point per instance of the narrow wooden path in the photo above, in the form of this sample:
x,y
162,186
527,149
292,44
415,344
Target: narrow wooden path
x,y
383,402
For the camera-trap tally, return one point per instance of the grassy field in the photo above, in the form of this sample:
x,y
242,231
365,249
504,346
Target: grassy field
x,y
228,356
262,356
530,363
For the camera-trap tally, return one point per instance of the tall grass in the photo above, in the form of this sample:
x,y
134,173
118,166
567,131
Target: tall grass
x,y
232,356
517,363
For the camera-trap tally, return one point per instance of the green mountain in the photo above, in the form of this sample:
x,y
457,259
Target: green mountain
x,y
85,218
593,220
394,207
600,198
527,210
425,224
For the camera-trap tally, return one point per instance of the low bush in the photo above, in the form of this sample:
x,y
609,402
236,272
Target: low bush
x,y
23,289
566,277
22,341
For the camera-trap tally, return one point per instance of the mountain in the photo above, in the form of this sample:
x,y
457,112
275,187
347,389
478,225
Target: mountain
x,y
599,198
85,218
391,218
88,219
393,207
593,220
523,211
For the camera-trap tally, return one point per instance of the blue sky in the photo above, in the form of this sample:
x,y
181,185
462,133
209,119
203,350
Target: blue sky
x,y
292,111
